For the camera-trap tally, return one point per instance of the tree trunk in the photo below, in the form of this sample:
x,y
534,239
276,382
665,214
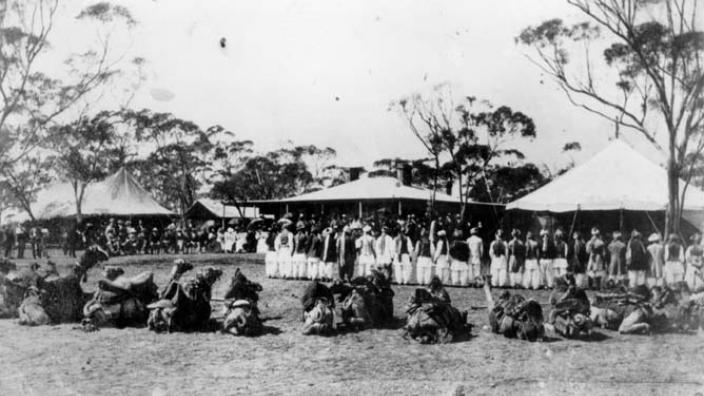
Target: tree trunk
x,y
672,221
79,201
435,183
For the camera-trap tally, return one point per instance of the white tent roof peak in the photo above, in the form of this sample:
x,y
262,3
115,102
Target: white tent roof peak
x,y
119,195
618,177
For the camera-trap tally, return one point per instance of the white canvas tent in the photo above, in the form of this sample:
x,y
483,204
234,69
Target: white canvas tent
x,y
211,208
117,195
616,178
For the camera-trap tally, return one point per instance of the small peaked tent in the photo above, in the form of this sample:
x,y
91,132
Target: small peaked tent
x,y
616,178
118,195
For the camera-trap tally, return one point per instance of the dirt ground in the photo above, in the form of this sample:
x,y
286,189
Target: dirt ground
x,y
61,360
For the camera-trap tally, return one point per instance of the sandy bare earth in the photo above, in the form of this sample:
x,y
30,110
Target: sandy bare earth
x,y
60,360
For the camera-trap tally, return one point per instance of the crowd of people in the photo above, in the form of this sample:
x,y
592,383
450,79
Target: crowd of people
x,y
410,251
17,238
125,238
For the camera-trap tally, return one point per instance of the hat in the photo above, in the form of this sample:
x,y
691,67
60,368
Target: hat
x,y
300,225
442,233
543,232
595,231
229,229
367,228
346,228
155,229
635,234
616,234
654,237
474,230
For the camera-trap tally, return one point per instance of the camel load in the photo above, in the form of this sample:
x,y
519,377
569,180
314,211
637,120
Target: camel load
x,y
241,314
60,299
431,318
120,301
184,305
514,316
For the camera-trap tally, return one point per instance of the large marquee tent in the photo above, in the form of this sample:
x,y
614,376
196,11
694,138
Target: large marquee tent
x,y
618,178
118,195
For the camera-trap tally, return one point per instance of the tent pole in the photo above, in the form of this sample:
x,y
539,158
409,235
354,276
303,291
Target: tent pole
x,y
400,208
652,222
222,222
574,219
361,210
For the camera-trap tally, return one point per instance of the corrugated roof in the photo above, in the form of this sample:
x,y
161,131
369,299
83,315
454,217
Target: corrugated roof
x,y
372,188
618,177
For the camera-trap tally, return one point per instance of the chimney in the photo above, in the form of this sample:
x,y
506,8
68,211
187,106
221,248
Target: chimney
x,y
354,173
404,173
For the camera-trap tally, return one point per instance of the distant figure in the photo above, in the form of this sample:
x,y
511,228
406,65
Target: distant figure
x,y
516,259
459,258
366,252
499,261
547,255
441,258
577,258
476,253
533,276
284,249
385,252
636,260
329,266
656,260
694,256
674,261
596,248
560,264
9,241
617,263
424,258
346,248
21,240
403,267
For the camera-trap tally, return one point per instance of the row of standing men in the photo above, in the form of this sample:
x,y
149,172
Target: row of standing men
x,y
530,263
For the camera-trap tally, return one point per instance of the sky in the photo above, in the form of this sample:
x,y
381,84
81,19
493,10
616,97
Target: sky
x,y
325,71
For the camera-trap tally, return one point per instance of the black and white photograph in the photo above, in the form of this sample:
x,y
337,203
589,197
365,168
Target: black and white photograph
x,y
351,197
